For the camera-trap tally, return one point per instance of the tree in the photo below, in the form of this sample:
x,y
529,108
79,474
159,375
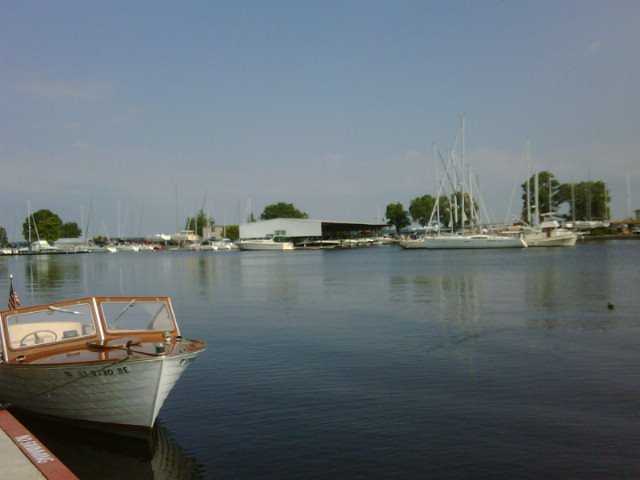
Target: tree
x,y
43,224
397,216
421,209
587,200
3,237
70,230
198,222
455,208
550,196
232,232
282,210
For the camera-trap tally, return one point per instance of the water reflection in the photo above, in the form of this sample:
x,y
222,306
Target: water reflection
x,y
92,455
51,272
570,293
275,277
439,297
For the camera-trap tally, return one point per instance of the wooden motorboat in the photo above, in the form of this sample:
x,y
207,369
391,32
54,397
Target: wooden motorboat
x,y
106,362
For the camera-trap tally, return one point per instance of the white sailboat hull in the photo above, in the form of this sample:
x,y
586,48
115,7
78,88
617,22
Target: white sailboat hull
x,y
442,242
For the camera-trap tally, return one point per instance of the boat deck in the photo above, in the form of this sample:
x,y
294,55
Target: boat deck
x,y
23,457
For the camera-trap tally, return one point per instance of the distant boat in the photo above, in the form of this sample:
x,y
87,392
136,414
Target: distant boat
x,y
549,233
224,244
462,235
317,244
271,243
546,230
128,247
452,241
42,246
216,244
105,363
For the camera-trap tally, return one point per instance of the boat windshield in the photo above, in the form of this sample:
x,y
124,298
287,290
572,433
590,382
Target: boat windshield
x,y
50,324
137,315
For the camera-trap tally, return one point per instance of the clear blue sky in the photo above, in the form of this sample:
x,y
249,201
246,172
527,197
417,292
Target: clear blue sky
x,y
330,105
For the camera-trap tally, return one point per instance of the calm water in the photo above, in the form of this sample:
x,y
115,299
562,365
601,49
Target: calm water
x,y
378,362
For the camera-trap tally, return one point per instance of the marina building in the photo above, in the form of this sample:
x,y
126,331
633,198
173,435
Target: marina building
x,y
314,233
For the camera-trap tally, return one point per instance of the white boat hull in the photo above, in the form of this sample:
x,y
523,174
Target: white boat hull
x,y
125,392
565,239
264,245
107,362
442,242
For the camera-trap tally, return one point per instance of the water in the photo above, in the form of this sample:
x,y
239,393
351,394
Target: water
x,y
379,363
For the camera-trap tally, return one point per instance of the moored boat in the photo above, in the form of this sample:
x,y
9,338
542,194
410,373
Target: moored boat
x,y
465,231
479,241
550,234
259,244
103,362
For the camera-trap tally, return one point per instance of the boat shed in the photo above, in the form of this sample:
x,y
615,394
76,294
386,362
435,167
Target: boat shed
x,y
305,231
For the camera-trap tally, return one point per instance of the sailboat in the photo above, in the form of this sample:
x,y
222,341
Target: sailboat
x,y
469,236
109,247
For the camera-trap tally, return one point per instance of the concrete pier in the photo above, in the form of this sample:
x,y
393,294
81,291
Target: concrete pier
x,y
24,457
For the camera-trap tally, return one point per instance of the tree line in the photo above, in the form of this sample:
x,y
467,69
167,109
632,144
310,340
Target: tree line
x,y
586,201
46,225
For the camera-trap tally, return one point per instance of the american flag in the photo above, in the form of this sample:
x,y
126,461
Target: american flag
x,y
14,301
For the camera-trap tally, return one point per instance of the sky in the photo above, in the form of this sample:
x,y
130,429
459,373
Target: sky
x,y
129,116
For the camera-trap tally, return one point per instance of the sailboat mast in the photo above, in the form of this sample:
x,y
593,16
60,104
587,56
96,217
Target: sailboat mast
x,y
463,216
573,202
528,183
628,197
435,160
536,218
589,197
29,220
550,206
177,213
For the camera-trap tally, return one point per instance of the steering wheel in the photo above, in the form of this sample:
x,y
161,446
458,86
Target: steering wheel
x,y
37,338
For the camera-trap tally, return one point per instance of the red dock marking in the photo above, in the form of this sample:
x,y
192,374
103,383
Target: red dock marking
x,y
45,461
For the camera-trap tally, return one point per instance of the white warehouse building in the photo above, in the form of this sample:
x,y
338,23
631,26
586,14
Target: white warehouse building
x,y
309,232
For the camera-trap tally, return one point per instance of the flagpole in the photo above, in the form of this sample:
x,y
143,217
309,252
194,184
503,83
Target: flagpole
x,y
14,300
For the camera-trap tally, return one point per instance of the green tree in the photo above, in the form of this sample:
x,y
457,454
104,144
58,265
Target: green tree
x,y
43,224
421,208
587,200
550,195
282,210
397,216
70,230
232,232
3,237
454,209
198,222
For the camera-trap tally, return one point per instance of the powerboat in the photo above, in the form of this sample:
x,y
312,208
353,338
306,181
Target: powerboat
x,y
102,362
270,243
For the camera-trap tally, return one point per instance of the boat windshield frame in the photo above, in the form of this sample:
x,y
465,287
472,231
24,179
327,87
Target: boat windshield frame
x,y
73,324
